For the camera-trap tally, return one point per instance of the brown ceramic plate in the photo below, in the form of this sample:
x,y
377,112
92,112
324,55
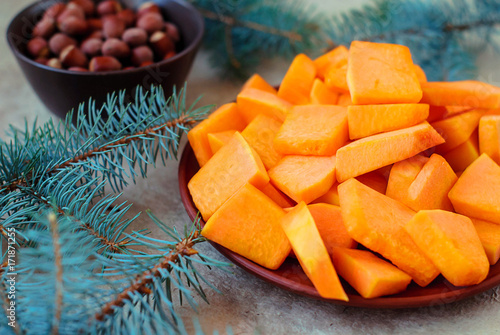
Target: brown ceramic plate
x,y
291,277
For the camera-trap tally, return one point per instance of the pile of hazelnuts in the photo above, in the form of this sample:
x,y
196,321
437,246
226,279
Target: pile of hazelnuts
x,y
84,36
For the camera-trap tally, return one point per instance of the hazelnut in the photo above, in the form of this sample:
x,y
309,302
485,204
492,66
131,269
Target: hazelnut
x,y
151,22
148,7
72,56
129,68
45,28
71,10
108,7
135,36
172,31
42,61
146,63
128,16
54,11
55,63
96,34
88,6
78,69
141,54
104,63
115,48
60,41
73,25
94,24
112,26
92,46
169,54
161,43
38,48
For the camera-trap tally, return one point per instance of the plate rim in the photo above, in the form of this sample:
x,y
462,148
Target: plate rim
x,y
355,300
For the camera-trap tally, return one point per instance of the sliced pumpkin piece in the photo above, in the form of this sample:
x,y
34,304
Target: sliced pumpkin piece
x,y
234,165
376,151
366,120
368,274
249,224
304,178
277,196
312,130
344,100
260,135
336,78
489,234
252,102
377,222
322,95
217,140
463,155
451,242
381,73
422,77
297,83
256,81
330,197
471,93
300,228
477,192
226,117
335,57
489,136
402,175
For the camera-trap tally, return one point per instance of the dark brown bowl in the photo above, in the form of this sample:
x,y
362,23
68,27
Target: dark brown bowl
x,y
62,90
291,277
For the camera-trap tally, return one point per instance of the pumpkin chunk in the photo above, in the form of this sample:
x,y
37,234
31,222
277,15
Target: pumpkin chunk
x,y
366,120
335,57
260,135
217,140
461,93
451,242
489,136
489,234
344,100
402,174
234,165
377,222
259,83
298,80
226,117
277,196
477,192
456,129
300,228
255,232
369,275
313,130
252,102
381,73
304,178
463,155
336,78
422,77
330,197
328,219
376,151
428,189
322,95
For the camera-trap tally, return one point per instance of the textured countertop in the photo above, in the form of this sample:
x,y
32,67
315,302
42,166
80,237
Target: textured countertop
x,y
248,304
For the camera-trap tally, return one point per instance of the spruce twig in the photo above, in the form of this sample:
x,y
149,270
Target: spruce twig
x,y
59,285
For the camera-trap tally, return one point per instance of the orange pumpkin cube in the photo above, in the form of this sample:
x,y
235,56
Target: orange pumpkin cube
x,y
312,130
252,102
297,83
381,73
300,228
451,242
217,140
477,191
226,117
489,136
377,222
249,224
489,234
277,196
322,95
376,151
368,274
304,178
256,81
234,165
336,57
260,135
336,78
461,93
463,155
366,120
422,77
344,100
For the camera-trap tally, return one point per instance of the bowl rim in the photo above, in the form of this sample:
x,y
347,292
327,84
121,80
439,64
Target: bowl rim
x,y
188,49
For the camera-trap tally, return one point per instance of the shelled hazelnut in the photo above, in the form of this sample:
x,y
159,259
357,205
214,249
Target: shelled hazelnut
x,y
112,37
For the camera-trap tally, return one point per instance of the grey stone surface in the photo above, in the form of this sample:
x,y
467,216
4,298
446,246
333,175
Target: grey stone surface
x,y
248,304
